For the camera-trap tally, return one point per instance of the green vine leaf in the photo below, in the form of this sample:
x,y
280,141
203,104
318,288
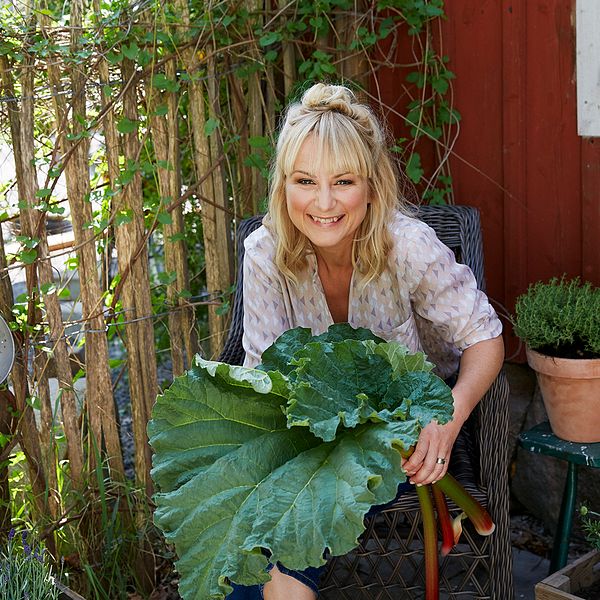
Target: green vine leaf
x,y
28,257
165,218
126,125
269,38
164,84
413,168
210,126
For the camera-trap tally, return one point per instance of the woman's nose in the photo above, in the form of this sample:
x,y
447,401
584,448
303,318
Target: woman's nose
x,y
325,199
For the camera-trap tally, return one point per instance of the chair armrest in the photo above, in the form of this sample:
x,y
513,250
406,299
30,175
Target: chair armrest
x,y
494,451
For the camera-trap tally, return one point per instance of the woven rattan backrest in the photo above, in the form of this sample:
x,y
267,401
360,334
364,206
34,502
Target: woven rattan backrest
x,y
457,226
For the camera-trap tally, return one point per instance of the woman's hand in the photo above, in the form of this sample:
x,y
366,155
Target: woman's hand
x,y
479,366
435,443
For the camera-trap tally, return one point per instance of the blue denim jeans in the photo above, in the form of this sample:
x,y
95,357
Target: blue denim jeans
x,y
309,577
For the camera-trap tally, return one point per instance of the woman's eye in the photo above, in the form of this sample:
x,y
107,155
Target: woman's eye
x,y
344,182
305,181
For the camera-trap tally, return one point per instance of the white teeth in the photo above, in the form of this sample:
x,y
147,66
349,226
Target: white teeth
x,y
325,221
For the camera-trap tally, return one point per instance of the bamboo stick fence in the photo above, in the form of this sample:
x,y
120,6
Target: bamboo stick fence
x,y
182,102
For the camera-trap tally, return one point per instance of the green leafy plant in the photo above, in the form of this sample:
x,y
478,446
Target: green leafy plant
x,y
560,318
25,570
286,460
591,525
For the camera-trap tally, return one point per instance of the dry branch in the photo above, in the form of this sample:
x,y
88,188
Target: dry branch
x,y
21,125
166,147
139,335
215,220
103,427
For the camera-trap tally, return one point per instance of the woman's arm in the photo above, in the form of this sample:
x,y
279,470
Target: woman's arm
x,y
479,366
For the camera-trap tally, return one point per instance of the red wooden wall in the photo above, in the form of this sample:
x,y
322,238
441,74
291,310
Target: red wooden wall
x,y
518,157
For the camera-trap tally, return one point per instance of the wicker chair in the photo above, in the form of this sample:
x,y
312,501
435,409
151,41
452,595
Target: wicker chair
x,y
388,563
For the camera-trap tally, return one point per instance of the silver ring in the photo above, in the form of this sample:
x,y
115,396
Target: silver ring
x,y
441,461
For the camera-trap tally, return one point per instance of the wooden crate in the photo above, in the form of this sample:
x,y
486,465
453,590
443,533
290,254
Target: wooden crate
x,y
564,584
66,593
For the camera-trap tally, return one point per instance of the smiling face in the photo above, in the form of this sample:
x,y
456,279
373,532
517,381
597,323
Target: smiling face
x,y
325,205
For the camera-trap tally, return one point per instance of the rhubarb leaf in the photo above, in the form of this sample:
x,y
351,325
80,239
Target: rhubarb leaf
x,y
195,422
235,483
334,383
427,396
280,355
352,381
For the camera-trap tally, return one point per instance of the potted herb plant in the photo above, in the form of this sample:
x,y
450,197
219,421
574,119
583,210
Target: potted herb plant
x,y
560,323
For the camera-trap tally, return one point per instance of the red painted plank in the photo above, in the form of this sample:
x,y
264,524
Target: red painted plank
x,y
472,40
553,147
514,51
518,157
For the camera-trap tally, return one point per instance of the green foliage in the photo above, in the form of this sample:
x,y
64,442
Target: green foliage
x,y
25,569
591,525
560,318
292,458
114,530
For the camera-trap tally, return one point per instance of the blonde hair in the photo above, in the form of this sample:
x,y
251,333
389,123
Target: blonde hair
x,y
350,139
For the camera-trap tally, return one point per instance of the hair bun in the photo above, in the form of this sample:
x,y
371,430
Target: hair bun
x,y
330,97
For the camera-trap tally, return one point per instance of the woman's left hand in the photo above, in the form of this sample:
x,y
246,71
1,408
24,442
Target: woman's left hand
x,y
479,366
429,461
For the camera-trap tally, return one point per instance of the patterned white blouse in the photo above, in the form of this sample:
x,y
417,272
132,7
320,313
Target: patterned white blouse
x,y
424,299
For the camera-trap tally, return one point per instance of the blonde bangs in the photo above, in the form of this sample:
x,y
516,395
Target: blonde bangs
x,y
339,148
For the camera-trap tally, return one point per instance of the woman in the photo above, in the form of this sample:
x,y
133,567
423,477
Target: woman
x,y
339,245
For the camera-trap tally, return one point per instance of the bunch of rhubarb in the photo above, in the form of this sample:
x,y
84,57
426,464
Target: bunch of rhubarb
x,y
285,460
451,529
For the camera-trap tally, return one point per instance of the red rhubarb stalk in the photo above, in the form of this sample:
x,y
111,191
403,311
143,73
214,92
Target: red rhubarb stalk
x,y
432,589
449,540
477,514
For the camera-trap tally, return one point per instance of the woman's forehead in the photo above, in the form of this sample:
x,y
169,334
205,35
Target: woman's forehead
x,y
316,154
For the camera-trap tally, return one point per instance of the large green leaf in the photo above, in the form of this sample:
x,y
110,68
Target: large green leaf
x,y
401,359
271,383
353,381
286,492
279,356
340,382
196,420
426,396
237,484
319,499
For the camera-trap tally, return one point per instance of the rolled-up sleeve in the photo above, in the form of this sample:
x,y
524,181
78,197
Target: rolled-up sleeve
x,y
445,293
265,316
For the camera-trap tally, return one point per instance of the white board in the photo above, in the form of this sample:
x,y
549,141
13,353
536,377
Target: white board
x,y
588,67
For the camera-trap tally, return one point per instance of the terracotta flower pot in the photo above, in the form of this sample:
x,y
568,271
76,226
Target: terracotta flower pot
x,y
571,392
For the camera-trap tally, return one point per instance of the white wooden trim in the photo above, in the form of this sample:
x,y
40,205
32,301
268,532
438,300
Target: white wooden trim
x,y
588,67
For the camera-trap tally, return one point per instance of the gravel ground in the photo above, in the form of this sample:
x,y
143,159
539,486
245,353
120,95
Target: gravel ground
x,y
121,394
529,533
